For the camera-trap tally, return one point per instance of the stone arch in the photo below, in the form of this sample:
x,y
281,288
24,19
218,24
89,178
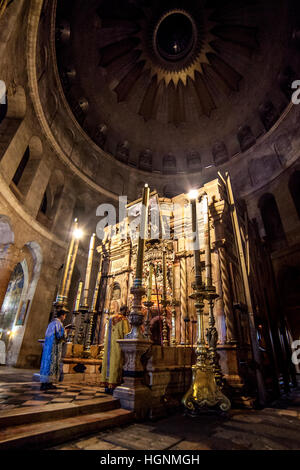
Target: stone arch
x,y
32,262
8,254
9,309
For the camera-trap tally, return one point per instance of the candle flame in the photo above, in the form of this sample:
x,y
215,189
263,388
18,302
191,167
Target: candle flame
x,y
78,233
193,194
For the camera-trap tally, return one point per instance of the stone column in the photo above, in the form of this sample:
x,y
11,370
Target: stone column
x,y
9,256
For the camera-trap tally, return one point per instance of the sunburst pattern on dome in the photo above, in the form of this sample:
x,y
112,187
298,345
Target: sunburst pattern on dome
x,y
178,53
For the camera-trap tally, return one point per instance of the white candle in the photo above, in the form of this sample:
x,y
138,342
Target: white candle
x,y
88,271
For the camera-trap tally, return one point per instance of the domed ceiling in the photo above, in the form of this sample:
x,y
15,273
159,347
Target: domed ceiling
x,y
173,86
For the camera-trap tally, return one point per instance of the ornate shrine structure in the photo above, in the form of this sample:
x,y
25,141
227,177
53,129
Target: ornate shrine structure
x,y
226,312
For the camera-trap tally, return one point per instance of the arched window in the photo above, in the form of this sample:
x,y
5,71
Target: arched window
x,y
271,219
12,299
294,187
21,168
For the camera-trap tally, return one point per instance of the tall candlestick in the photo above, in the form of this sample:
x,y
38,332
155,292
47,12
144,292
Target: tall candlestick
x,y
88,271
136,317
78,297
142,236
164,269
208,277
60,295
174,304
97,285
88,340
71,335
71,269
164,298
196,241
200,395
150,283
173,279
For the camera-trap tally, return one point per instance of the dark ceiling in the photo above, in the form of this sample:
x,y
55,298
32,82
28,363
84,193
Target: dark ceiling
x,y
159,84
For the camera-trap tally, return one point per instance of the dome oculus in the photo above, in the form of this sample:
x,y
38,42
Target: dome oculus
x,y
175,36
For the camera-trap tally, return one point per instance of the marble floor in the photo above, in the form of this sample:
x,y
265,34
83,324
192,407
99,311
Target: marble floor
x,y
276,428
17,390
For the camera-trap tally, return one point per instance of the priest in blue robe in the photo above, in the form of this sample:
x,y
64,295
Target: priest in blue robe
x,y
51,364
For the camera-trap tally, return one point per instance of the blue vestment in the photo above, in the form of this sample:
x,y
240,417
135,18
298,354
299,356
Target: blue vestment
x,y
51,365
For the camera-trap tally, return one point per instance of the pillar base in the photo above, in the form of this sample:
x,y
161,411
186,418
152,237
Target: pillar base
x,y
133,394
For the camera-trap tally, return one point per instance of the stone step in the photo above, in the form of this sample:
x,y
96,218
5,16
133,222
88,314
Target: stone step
x,y
34,414
37,436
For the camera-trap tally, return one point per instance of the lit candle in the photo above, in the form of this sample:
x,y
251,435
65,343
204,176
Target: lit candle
x,y
173,278
164,298
97,285
164,268
198,274
142,236
208,278
78,297
88,271
71,269
61,292
150,283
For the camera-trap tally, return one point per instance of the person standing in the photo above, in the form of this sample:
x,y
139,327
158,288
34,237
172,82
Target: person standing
x,y
51,364
112,364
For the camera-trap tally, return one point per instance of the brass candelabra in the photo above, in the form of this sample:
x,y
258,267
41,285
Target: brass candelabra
x,y
204,392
